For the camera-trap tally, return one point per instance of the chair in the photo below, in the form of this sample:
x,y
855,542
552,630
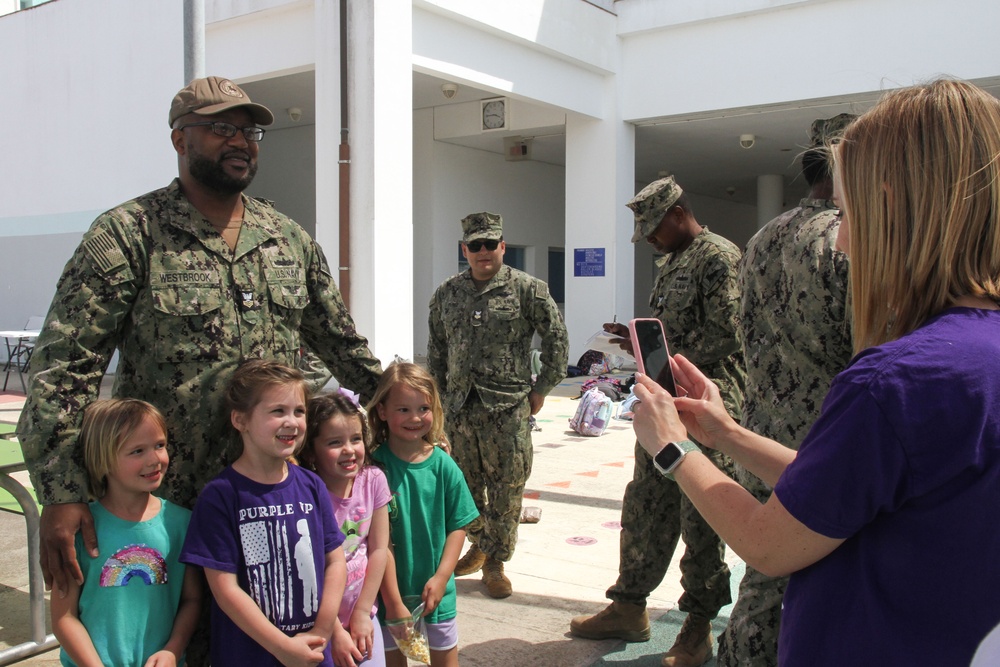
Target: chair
x,y
19,354
22,500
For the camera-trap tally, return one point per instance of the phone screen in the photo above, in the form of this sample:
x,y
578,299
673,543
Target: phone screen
x,y
654,354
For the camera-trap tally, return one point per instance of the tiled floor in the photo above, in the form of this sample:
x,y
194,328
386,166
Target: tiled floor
x,y
562,566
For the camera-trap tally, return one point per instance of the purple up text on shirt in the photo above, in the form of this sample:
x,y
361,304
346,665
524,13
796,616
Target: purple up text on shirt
x,y
273,510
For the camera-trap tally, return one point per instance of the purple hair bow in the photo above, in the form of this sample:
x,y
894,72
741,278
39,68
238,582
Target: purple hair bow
x,y
351,396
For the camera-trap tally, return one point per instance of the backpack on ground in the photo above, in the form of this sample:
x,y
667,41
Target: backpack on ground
x,y
593,362
613,387
593,413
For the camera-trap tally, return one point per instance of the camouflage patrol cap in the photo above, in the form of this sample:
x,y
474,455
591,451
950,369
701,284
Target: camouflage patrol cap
x,y
824,130
486,226
213,95
651,204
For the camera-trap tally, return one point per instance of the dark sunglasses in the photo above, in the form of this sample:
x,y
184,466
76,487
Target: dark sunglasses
x,y
476,246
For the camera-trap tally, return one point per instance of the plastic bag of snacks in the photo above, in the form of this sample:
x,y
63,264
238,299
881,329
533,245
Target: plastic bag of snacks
x,y
410,634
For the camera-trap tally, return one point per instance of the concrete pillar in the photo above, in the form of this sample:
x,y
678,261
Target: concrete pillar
x,y
770,197
381,137
600,178
327,81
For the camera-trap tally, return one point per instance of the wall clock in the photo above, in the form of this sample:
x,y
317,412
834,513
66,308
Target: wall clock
x,y
494,114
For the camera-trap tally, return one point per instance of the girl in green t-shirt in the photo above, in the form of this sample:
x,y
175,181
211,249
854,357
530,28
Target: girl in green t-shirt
x,y
430,507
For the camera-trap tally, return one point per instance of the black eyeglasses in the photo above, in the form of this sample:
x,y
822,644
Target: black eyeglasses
x,y
476,246
229,130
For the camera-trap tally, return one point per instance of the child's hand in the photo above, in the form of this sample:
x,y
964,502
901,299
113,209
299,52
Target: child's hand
x,y
362,630
433,592
345,653
395,609
302,650
162,659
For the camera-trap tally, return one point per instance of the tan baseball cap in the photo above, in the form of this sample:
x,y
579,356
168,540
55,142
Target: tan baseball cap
x,y
213,95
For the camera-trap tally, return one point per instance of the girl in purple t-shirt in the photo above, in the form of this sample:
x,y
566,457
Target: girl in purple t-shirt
x,y
336,449
264,532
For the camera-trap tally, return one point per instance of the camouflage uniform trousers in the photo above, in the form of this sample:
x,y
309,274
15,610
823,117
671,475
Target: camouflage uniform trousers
x,y
493,449
751,636
655,514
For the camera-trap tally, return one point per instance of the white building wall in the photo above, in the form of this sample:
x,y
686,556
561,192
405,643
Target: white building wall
x,y
274,38
723,56
553,52
83,104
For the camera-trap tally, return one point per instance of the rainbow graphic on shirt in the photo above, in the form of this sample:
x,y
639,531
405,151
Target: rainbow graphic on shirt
x,y
135,560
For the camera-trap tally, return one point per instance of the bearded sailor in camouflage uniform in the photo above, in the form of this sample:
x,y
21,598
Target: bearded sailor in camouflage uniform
x,y
796,337
185,282
481,325
696,299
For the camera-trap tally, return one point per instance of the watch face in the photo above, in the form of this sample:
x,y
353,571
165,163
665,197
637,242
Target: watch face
x,y
668,456
494,117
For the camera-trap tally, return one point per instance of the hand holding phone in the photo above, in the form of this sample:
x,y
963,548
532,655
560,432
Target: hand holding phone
x,y
623,341
651,353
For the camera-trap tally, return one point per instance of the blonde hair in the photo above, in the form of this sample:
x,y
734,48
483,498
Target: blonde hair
x,y
323,408
416,378
107,425
921,197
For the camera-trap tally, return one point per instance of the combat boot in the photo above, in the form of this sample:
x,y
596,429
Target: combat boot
x,y
497,583
471,562
619,620
693,646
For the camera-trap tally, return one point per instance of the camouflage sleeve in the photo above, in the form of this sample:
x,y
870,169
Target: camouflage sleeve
x,y
437,346
743,269
82,329
548,322
717,337
328,330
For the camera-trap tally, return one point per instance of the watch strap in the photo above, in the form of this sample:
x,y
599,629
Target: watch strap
x,y
683,448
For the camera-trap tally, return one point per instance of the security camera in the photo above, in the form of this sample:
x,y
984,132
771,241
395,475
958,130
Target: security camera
x,y
295,114
747,140
449,90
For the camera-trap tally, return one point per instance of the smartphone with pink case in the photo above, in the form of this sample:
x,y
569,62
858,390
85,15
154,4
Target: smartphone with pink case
x,y
649,345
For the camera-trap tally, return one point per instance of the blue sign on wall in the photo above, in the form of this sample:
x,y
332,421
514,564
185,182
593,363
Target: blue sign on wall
x,y
588,261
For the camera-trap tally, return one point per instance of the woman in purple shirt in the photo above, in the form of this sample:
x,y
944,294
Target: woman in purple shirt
x,y
886,517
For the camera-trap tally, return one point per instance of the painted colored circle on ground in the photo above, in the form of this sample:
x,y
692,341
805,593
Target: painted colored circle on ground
x,y
581,541
612,525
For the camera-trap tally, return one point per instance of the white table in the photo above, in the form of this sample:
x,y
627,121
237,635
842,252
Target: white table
x,y
17,354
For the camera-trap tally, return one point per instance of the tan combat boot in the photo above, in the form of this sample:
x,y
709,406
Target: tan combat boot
x,y
471,562
693,646
497,583
620,620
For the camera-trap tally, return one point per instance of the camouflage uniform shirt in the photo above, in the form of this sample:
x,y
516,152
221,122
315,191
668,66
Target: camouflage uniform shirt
x,y
796,336
795,322
155,280
482,339
696,298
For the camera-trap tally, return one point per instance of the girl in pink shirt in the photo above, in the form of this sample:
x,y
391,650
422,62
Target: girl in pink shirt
x,y
335,449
